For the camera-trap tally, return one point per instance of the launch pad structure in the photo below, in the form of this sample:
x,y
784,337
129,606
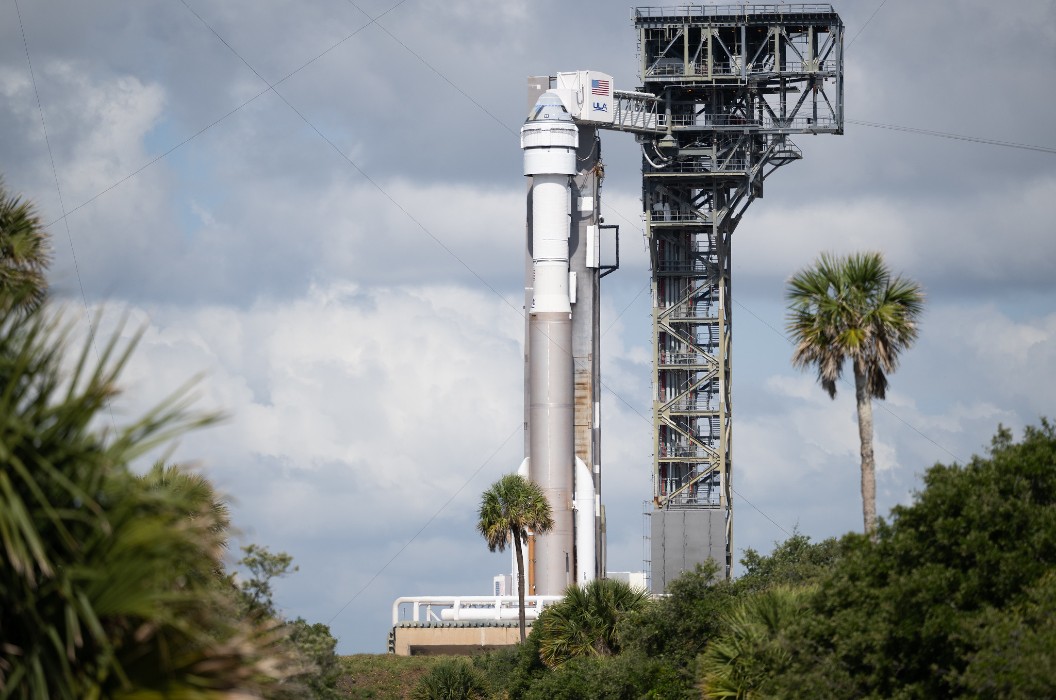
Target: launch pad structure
x,y
723,88
734,82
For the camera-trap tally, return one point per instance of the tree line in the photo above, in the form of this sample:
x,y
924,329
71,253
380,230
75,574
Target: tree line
x,y
953,595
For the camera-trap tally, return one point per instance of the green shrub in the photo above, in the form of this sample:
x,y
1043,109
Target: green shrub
x,y
921,611
586,622
453,679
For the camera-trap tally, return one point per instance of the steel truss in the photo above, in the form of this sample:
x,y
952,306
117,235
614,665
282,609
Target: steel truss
x,y
731,84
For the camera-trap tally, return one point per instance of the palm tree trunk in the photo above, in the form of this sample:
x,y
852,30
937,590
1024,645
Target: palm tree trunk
x,y
865,433
520,579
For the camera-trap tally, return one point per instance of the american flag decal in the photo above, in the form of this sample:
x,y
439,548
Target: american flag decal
x,y
599,87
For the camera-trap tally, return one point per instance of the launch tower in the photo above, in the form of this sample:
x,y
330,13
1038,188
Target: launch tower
x,y
732,83
723,89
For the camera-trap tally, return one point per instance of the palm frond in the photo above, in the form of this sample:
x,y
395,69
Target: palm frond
x,y
850,308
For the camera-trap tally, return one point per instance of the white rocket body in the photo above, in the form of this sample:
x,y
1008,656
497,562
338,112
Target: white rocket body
x,y
549,138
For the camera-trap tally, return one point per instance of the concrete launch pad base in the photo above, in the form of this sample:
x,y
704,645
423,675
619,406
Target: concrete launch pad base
x,y
452,638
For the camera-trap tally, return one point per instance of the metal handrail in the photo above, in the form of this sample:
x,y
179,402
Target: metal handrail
x,y
684,358
726,10
703,165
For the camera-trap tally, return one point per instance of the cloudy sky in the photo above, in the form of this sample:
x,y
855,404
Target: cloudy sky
x,y
318,208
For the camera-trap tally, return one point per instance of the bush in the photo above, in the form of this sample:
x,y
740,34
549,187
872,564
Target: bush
x,y
674,630
453,679
942,592
586,622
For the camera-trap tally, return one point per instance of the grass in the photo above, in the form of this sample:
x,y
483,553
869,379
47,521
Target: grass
x,y
383,676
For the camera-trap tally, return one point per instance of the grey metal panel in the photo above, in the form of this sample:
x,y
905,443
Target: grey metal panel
x,y
681,539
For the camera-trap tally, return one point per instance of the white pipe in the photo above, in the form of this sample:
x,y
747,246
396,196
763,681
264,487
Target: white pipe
x,y
586,554
476,603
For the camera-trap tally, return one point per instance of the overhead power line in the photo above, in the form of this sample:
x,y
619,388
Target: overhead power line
x,y
958,137
862,28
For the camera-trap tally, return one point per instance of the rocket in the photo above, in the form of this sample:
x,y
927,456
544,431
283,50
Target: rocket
x,y
549,139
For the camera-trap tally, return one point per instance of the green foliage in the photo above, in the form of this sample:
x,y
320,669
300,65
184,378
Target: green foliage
x,y
317,668
108,581
321,669
1014,655
510,509
793,562
586,622
628,676
263,566
453,679
938,598
954,598
676,628
512,671
24,255
851,307
753,648
382,676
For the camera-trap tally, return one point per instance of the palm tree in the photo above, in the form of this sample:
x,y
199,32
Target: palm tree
x,y
451,679
24,254
111,584
586,622
511,509
749,653
852,308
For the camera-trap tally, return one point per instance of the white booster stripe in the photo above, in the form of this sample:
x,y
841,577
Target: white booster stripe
x,y
585,538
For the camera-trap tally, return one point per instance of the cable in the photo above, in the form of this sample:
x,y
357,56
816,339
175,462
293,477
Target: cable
x,y
865,25
445,78
374,20
959,137
444,246
225,116
272,87
427,524
427,232
62,204
741,496
363,173
620,315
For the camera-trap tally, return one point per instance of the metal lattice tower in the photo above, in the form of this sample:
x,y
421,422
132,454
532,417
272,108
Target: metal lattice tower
x,y
731,83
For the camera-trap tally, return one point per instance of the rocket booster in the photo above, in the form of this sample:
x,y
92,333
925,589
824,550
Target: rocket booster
x,y
549,139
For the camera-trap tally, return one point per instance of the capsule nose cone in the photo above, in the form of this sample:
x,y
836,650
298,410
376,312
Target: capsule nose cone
x,y
548,109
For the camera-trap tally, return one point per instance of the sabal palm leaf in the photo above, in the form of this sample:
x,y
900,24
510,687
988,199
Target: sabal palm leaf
x,y
108,581
24,254
586,622
852,309
750,651
511,508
